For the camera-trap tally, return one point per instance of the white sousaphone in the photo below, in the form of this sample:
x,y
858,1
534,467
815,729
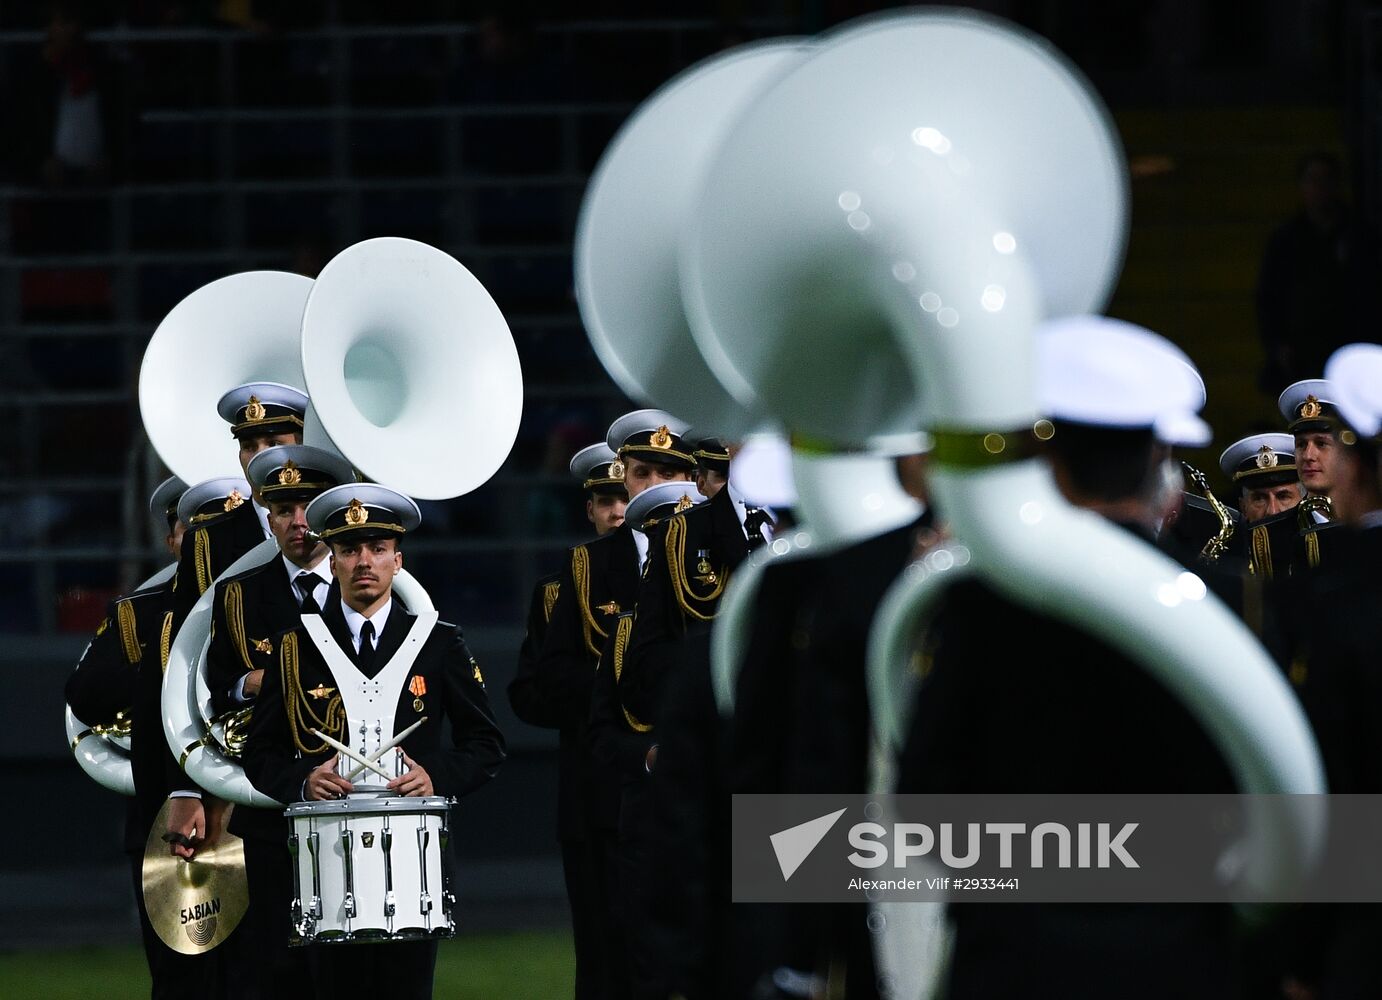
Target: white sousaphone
x,y
103,751
413,376
236,329
639,201
951,182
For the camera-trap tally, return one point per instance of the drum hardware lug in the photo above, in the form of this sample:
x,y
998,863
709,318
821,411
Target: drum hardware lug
x,y
387,838
425,897
348,852
313,848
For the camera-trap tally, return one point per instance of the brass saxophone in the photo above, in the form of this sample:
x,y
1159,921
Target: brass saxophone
x,y
1217,545
1307,508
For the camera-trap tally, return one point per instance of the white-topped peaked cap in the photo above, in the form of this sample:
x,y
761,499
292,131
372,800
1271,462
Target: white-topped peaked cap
x,y
636,428
1108,373
163,502
1260,459
1354,372
362,508
1308,405
675,496
297,468
211,497
279,406
592,461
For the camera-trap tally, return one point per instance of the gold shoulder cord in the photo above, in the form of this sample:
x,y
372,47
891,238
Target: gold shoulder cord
x,y
1312,549
676,566
1261,552
202,552
124,613
580,573
165,641
301,718
235,620
549,598
622,631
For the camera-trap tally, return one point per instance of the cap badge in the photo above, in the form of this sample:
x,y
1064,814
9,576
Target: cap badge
x,y
1266,458
616,469
662,438
233,500
1311,408
254,410
356,513
684,503
289,474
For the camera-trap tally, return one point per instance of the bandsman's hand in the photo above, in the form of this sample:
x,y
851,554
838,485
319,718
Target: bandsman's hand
x,y
186,819
415,782
254,681
324,783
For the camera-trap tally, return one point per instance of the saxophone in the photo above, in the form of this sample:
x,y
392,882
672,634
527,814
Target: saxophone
x,y
1217,545
1307,508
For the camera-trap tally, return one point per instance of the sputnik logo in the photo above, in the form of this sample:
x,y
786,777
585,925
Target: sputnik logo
x,y
795,844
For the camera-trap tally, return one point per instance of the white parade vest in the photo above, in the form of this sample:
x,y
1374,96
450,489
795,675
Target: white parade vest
x,y
370,702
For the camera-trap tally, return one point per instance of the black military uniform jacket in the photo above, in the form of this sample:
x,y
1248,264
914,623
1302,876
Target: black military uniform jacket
x,y
300,695
524,693
688,567
597,584
208,549
249,610
1015,701
122,671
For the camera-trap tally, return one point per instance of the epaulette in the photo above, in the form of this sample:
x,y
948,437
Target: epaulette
x,y
549,598
129,635
623,629
700,601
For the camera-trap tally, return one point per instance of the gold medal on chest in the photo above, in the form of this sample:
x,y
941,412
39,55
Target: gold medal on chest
x,y
705,571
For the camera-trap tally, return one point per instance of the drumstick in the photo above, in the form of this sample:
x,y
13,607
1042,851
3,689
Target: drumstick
x,y
387,747
352,754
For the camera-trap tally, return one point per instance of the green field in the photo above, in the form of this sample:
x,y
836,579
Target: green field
x,y
537,965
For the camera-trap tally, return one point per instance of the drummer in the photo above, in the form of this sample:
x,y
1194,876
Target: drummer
x,y
361,630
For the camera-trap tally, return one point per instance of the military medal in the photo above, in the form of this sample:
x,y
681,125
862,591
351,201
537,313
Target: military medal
x,y
418,686
707,572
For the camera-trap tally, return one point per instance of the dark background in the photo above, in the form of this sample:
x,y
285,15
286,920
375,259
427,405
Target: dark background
x,y
237,135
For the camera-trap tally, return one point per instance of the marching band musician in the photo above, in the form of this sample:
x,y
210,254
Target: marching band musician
x,y
1334,632
802,724
249,609
1035,705
677,806
1313,419
364,524
1263,467
712,465
599,582
121,671
606,498
261,415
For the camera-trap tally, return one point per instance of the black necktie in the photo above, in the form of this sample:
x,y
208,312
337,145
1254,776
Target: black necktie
x,y
366,656
754,519
307,586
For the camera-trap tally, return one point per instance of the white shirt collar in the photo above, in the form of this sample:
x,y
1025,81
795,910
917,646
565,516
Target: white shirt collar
x,y
263,514
640,542
356,621
741,506
322,570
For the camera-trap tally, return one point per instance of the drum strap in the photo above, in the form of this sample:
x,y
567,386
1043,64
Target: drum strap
x,y
376,697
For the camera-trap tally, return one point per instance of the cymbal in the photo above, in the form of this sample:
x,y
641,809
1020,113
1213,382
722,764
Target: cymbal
x,y
195,905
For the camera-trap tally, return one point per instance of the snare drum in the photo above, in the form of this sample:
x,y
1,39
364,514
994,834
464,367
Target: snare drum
x,y
370,868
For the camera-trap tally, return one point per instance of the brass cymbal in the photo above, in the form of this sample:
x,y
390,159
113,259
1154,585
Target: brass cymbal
x,y
194,905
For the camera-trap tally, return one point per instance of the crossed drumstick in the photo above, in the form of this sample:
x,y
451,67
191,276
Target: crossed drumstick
x,y
370,763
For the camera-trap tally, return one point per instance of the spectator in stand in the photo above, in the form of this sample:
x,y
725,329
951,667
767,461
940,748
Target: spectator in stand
x,y
1317,287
